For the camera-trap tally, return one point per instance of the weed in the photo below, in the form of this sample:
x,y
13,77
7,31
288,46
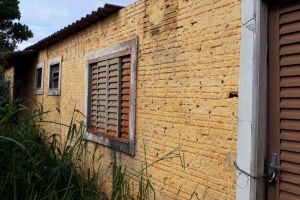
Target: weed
x,y
34,166
37,166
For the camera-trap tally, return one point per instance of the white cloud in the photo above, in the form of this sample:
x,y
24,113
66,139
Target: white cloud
x,y
46,17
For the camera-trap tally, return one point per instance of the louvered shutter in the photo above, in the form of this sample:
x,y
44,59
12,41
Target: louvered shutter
x,y
98,97
110,97
125,62
284,99
113,95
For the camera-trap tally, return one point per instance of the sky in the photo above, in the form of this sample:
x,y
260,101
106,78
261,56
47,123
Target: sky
x,y
47,17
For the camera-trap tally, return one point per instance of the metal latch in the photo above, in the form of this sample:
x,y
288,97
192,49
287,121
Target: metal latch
x,y
273,168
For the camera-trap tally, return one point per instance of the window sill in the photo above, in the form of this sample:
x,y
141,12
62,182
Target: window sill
x,y
126,147
53,92
38,92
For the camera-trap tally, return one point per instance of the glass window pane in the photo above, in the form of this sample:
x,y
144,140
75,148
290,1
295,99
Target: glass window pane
x,y
54,76
39,78
55,83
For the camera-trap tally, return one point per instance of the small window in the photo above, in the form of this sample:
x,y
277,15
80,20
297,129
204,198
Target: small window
x,y
39,79
111,97
54,76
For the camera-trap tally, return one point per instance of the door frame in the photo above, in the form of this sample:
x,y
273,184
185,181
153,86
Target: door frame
x,y
273,91
253,101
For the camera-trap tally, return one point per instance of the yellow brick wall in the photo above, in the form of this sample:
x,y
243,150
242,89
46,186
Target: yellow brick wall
x,y
188,65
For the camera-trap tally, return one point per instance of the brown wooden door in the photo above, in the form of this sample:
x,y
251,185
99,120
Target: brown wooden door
x,y
284,99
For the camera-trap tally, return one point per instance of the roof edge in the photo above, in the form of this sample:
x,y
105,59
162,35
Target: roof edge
x,y
11,58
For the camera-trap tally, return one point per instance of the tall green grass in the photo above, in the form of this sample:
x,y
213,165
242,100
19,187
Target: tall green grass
x,y
35,166
122,187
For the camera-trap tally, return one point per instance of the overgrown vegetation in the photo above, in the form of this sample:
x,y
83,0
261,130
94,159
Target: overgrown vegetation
x,y
121,181
34,166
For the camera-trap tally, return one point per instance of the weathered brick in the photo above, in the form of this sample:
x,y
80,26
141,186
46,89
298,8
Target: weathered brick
x,y
188,63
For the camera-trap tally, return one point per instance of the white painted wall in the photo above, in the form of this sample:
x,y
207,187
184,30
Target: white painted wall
x,y
252,58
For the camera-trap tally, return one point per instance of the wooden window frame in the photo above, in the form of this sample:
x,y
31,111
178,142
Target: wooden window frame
x,y
54,91
119,50
39,91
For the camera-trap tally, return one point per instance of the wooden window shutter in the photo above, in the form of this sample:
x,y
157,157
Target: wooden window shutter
x,y
125,65
98,97
111,97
